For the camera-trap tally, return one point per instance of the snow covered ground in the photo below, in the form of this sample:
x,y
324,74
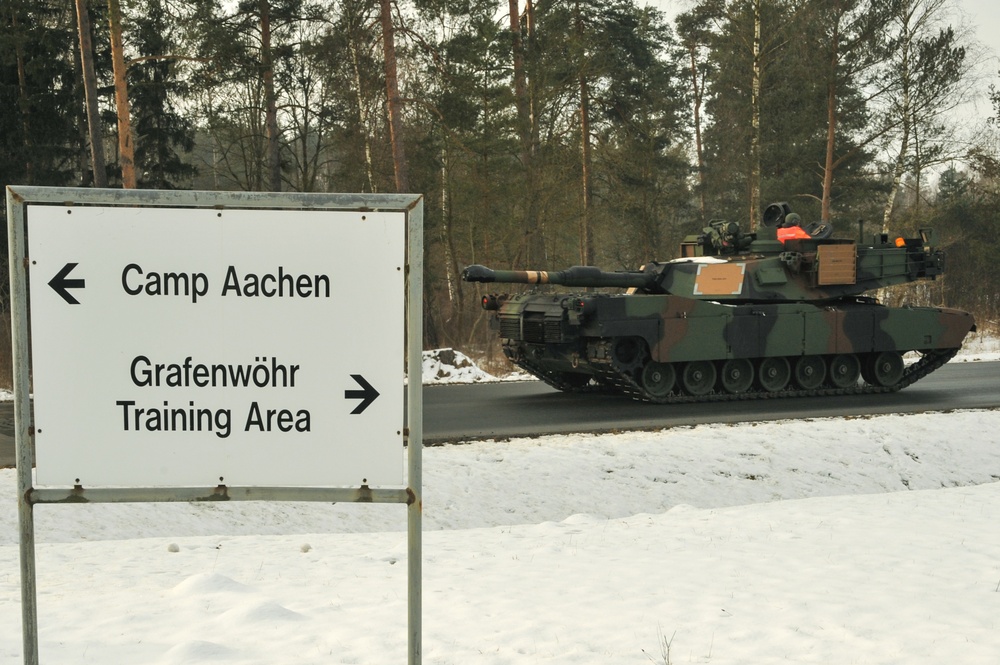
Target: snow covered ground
x,y
866,540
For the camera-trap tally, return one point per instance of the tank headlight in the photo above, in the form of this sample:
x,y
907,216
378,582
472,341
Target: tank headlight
x,y
491,302
583,306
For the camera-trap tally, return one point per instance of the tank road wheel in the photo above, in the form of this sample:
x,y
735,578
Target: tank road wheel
x,y
698,377
627,353
773,374
885,369
737,375
845,370
658,378
809,372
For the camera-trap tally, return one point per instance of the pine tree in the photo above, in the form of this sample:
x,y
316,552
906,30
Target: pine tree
x,y
38,135
155,87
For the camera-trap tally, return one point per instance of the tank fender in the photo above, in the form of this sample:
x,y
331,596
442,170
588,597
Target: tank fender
x,y
646,329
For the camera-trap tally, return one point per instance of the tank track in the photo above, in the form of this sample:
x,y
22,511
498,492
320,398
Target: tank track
x,y
609,377
560,380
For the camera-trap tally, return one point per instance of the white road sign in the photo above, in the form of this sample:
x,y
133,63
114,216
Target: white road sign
x,y
180,347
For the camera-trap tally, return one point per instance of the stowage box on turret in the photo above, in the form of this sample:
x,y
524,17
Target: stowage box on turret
x,y
779,312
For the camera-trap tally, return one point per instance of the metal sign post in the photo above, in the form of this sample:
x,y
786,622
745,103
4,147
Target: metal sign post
x,y
234,347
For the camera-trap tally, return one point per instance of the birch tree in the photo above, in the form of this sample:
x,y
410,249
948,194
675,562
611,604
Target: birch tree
x,y
853,42
523,57
695,29
925,79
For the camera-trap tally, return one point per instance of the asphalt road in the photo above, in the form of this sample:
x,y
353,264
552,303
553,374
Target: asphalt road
x,y
503,410
500,410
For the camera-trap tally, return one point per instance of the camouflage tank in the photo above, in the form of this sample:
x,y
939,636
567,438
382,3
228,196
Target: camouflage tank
x,y
777,313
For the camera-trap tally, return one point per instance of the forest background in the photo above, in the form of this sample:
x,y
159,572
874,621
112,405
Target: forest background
x,y
543,133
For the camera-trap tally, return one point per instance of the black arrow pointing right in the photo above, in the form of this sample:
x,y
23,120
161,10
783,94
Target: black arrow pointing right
x,y
61,285
367,394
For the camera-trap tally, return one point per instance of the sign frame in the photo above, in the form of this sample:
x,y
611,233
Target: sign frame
x,y
411,205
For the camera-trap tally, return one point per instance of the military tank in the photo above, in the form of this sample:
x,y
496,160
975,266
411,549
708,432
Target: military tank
x,y
781,312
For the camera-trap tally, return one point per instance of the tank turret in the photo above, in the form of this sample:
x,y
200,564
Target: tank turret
x,y
779,312
724,264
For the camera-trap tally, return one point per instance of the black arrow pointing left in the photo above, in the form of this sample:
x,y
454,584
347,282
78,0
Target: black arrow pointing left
x,y
61,284
367,394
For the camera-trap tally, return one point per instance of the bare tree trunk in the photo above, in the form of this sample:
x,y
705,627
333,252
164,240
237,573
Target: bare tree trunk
x,y
533,247
270,102
520,82
126,149
758,73
918,163
900,166
83,151
455,295
897,176
831,125
394,102
25,103
537,162
90,94
586,233
831,134
529,15
697,87
363,115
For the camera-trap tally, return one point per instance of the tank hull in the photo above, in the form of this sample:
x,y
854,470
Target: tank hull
x,y
664,348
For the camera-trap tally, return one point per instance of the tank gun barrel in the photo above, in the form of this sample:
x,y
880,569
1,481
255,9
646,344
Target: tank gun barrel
x,y
577,276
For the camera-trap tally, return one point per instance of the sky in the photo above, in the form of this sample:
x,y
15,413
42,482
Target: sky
x,y
861,540
985,16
